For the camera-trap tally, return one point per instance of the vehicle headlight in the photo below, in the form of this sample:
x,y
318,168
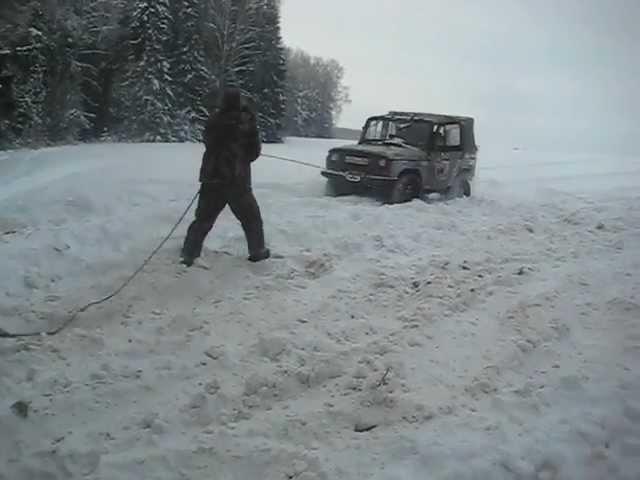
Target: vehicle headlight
x,y
382,162
334,157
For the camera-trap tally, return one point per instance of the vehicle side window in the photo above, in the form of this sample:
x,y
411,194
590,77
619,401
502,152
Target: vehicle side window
x,y
452,135
447,137
415,133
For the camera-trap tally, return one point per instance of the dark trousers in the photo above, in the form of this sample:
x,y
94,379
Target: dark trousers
x,y
213,199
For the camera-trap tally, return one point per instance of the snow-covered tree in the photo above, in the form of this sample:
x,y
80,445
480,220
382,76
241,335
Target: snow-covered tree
x,y
151,70
106,31
44,41
64,105
315,94
191,72
25,45
147,101
231,41
268,75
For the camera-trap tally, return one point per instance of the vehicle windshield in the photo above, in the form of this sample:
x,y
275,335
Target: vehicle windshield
x,y
386,130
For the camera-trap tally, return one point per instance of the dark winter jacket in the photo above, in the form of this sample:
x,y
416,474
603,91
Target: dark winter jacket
x,y
232,143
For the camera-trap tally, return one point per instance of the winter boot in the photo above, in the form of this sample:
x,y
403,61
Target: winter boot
x,y
187,261
260,255
185,258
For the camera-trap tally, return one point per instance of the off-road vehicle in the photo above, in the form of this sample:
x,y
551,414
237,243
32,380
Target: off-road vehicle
x,y
404,155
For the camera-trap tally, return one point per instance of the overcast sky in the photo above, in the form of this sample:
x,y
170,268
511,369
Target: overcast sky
x,y
556,73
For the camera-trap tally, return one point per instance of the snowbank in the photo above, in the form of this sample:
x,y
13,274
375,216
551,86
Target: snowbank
x,y
494,337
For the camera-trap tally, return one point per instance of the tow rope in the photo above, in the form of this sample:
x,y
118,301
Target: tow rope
x,y
290,160
74,314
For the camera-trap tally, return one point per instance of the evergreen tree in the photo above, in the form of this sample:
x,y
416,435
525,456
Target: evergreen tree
x,y
29,46
267,84
106,30
44,46
231,42
150,70
192,77
147,101
315,94
64,105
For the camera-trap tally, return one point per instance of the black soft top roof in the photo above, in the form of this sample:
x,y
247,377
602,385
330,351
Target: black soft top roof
x,y
431,117
468,134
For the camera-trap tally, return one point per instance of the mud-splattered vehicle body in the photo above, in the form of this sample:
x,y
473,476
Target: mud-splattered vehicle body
x,y
404,155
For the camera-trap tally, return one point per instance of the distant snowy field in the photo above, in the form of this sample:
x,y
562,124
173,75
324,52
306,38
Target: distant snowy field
x,y
496,337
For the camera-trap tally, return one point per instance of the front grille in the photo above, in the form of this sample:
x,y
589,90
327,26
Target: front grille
x,y
357,168
359,164
353,160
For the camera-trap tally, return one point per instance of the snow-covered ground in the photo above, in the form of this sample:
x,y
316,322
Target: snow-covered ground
x,y
496,337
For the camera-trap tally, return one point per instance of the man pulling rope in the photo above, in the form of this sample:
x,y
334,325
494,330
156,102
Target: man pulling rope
x,y
232,144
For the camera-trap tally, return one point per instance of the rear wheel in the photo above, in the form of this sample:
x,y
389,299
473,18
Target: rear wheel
x,y
461,187
406,188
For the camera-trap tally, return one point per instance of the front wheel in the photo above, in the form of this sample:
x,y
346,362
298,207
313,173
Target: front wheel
x,y
406,188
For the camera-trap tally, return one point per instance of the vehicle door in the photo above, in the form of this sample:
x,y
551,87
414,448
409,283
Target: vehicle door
x,y
417,133
447,153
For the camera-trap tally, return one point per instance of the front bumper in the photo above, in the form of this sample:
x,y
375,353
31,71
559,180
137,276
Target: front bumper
x,y
359,178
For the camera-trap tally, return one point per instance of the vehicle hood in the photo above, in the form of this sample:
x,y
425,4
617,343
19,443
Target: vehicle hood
x,y
391,152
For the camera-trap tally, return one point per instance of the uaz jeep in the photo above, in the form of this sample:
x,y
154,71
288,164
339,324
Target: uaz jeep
x,y
404,155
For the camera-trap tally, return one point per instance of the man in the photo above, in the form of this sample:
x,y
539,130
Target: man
x,y
232,143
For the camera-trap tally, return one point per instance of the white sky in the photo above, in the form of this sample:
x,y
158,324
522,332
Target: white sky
x,y
553,74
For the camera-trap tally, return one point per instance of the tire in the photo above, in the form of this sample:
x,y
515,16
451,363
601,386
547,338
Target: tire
x,y
335,188
406,188
460,188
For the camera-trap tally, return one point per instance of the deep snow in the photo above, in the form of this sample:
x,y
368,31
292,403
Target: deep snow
x,y
492,337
